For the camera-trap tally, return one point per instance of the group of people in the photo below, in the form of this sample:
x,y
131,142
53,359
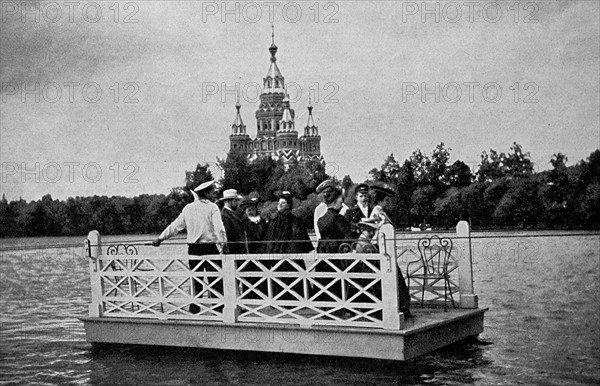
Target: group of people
x,y
211,231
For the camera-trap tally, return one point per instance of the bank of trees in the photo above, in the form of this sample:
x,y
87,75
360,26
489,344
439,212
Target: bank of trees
x,y
504,192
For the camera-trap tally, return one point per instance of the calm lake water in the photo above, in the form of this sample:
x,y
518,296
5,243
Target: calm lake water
x,y
542,327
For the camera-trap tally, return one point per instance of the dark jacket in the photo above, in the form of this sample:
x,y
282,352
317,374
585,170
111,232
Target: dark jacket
x,y
354,215
236,239
286,226
333,226
255,232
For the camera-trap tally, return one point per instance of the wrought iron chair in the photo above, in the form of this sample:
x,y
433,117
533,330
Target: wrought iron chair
x,y
432,267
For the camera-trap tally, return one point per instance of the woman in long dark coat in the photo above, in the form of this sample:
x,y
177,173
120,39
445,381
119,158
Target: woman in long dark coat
x,y
286,233
382,196
255,227
334,228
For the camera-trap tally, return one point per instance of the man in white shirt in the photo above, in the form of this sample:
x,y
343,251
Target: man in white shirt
x,y
205,233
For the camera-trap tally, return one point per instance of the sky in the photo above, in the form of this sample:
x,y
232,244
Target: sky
x,y
121,98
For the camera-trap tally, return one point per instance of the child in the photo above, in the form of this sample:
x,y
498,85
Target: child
x,y
364,243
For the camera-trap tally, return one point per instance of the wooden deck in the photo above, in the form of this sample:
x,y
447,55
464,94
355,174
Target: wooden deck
x,y
429,330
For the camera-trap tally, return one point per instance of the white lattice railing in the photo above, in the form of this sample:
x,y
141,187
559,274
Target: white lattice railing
x,y
353,290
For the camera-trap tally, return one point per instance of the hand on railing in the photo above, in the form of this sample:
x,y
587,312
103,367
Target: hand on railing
x,y
156,242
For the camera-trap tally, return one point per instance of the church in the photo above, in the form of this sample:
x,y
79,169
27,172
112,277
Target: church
x,y
276,134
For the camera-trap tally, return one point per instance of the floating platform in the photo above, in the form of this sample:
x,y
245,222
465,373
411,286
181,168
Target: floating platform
x,y
427,331
344,304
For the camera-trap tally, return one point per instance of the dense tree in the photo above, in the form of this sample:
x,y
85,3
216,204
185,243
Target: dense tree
x,y
514,164
458,175
506,194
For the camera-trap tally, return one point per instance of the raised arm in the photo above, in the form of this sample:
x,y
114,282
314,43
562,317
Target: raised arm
x,y
175,227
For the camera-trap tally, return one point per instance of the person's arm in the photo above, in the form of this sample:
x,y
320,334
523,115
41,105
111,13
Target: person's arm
x,y
219,228
175,227
344,209
320,210
316,224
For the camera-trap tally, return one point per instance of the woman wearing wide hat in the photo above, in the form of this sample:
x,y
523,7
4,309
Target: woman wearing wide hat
x,y
382,196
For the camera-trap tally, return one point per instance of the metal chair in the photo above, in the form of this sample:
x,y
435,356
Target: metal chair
x,y
432,267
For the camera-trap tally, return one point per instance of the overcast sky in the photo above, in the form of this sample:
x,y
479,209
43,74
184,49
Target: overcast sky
x,y
370,62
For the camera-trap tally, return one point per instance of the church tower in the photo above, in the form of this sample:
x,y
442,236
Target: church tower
x,y
276,134
310,142
287,136
239,139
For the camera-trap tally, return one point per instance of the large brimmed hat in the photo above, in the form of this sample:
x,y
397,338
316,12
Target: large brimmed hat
x,y
230,194
249,202
326,185
367,225
204,185
385,189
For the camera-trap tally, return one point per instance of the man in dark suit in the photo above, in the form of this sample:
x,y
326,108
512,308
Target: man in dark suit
x,y
362,209
236,241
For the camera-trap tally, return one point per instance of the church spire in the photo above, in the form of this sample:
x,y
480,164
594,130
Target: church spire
x,y
274,81
238,127
273,48
310,129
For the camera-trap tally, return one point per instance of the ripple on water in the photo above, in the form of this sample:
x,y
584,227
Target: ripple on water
x,y
542,328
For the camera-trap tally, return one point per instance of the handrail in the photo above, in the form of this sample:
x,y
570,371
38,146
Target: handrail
x,y
273,288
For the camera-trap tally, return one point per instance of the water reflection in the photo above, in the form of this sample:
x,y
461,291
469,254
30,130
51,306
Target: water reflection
x,y
456,363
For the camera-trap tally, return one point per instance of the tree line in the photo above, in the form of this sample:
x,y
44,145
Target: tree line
x,y
504,193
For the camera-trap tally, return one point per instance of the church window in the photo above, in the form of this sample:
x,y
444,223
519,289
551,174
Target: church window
x,y
270,145
314,147
264,146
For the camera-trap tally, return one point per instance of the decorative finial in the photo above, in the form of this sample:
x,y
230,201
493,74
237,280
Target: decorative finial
x,y
237,102
273,48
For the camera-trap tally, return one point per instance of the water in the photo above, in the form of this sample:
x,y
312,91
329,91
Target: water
x,y
543,326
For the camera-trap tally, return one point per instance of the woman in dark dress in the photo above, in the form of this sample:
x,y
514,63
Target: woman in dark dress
x,y
286,233
382,196
255,227
334,228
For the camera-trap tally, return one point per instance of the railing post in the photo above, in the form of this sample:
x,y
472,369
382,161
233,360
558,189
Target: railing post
x,y
392,318
230,310
93,248
468,299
